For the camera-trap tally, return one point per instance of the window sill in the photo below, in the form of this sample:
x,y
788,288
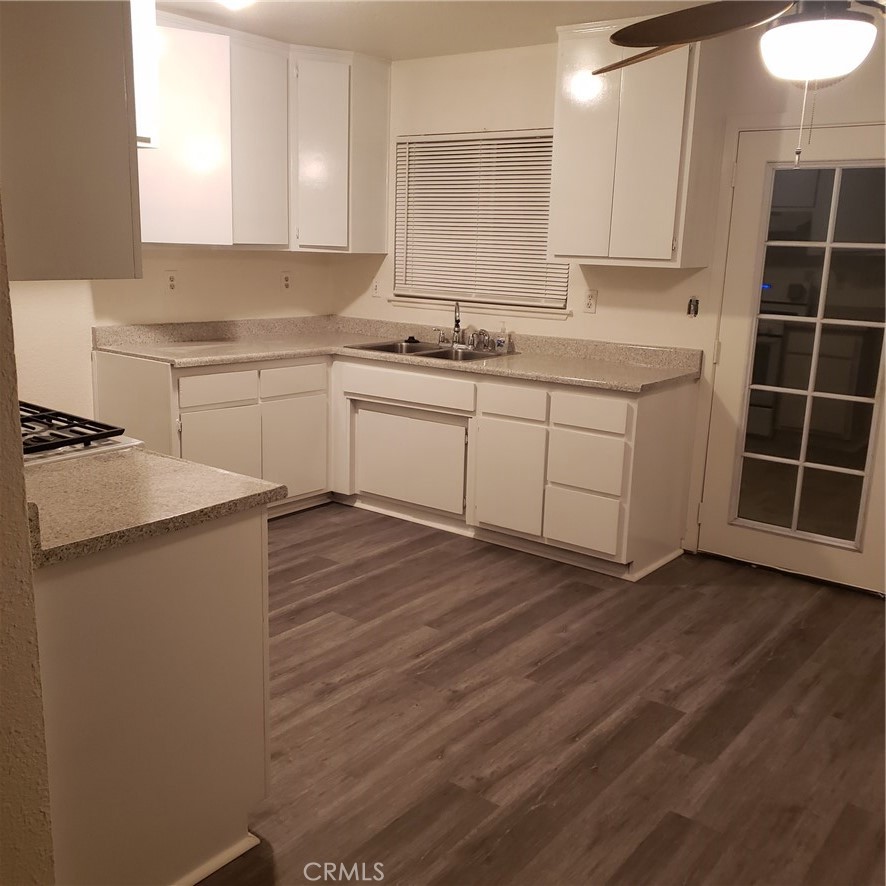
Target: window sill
x,y
481,308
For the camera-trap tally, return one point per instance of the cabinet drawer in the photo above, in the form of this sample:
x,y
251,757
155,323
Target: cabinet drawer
x,y
292,380
220,387
587,411
516,402
582,519
587,460
410,387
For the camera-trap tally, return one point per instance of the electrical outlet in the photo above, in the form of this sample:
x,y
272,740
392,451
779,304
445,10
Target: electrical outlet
x,y
590,301
375,293
286,281
170,281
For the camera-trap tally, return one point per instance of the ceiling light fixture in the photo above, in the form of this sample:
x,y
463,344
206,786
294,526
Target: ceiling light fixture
x,y
818,45
235,5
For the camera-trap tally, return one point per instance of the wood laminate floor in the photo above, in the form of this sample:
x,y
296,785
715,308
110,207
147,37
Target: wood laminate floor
x,y
465,714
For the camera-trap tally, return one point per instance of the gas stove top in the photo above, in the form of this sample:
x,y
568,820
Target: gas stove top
x,y
50,433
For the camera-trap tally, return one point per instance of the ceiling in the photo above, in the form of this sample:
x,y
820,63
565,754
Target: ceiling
x,y
404,29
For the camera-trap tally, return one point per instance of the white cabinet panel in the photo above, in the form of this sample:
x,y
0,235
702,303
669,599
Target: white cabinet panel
x,y
510,472
644,205
321,133
293,443
219,387
259,144
409,387
415,460
585,130
67,143
228,438
185,182
513,401
582,519
293,380
590,461
590,411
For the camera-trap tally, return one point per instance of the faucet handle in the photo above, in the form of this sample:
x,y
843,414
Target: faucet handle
x,y
441,335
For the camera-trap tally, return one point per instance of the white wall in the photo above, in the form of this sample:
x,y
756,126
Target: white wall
x,y
53,320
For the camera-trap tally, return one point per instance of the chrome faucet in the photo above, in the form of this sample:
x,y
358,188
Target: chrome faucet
x,y
456,328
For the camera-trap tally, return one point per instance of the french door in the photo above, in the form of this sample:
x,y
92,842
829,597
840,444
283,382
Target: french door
x,y
795,474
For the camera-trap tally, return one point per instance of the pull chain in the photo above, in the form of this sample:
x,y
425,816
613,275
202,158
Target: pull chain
x,y
799,149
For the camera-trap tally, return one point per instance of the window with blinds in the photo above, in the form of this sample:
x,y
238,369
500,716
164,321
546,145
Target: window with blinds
x,y
472,220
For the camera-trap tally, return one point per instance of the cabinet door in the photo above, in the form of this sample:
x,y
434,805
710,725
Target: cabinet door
x,y
67,143
585,130
228,438
648,154
510,474
320,139
185,182
259,144
293,443
417,460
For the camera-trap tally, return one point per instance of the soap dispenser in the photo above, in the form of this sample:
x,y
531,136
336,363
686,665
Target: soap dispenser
x,y
501,341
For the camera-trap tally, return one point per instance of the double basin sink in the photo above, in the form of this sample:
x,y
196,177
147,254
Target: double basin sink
x,y
426,349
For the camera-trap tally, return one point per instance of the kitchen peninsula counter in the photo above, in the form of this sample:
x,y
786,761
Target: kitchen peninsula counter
x,y
80,506
602,365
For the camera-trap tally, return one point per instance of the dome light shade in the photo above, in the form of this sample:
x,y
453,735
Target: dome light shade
x,y
809,47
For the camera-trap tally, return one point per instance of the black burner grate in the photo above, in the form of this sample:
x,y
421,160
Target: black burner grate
x,y
44,429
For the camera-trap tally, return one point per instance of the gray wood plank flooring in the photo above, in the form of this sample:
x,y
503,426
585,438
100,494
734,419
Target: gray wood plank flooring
x,y
465,714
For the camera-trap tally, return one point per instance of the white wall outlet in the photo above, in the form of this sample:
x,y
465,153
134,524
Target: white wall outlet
x,y
286,281
170,282
590,301
375,292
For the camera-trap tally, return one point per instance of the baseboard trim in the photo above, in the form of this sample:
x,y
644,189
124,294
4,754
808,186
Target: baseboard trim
x,y
219,860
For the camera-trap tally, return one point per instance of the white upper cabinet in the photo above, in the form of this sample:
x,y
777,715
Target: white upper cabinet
x,y
623,156
259,143
185,182
320,137
68,171
338,149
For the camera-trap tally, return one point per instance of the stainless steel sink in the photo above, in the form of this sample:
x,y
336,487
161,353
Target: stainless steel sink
x,y
399,347
460,354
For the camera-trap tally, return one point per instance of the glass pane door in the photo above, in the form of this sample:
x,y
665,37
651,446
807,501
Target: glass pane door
x,y
809,410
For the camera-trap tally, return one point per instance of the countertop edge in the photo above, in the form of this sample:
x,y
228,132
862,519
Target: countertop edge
x,y
41,556
675,376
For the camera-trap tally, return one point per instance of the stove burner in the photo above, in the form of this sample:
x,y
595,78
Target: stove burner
x,y
44,429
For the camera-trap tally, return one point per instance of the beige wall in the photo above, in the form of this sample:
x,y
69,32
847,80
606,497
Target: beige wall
x,y
53,320
25,833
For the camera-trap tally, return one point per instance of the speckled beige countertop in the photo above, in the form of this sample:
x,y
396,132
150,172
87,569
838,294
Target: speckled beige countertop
x,y
605,365
80,506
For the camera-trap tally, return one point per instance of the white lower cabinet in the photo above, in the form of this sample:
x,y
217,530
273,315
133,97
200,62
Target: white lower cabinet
x,y
510,470
419,459
229,438
293,443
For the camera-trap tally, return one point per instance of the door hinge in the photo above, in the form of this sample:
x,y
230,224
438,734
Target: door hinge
x,y
715,359
674,245
178,426
698,513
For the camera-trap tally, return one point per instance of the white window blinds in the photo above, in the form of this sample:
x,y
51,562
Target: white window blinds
x,y
472,220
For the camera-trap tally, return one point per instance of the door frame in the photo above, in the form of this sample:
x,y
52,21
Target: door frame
x,y
736,129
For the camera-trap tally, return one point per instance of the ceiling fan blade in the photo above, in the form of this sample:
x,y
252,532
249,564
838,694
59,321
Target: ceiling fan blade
x,y
639,57
700,22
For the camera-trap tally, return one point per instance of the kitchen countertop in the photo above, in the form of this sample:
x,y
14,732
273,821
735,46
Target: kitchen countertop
x,y
83,505
618,370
